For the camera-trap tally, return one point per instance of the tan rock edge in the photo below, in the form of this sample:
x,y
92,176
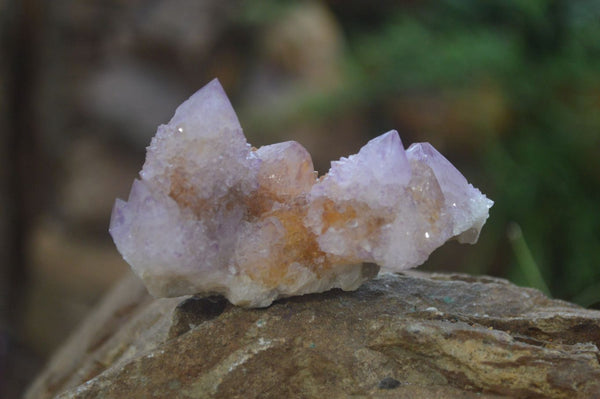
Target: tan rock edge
x,y
414,335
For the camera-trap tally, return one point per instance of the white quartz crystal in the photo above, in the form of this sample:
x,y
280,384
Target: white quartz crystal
x,y
212,215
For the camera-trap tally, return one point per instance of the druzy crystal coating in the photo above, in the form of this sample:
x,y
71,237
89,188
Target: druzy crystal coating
x,y
212,215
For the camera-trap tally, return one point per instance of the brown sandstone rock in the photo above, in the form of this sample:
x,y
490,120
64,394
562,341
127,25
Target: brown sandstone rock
x,y
414,335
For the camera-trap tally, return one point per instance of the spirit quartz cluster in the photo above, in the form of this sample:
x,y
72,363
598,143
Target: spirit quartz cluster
x,y
213,215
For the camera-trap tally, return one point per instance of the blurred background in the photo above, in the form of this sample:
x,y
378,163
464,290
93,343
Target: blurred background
x,y
508,90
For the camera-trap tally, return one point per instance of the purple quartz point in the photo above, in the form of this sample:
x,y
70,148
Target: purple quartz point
x,y
469,208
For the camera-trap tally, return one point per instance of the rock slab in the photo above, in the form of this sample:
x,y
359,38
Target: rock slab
x,y
411,335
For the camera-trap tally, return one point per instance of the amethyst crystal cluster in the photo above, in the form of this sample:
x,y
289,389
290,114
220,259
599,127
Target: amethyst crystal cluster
x,y
212,215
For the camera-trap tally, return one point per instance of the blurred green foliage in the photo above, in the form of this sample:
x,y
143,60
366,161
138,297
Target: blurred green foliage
x,y
542,164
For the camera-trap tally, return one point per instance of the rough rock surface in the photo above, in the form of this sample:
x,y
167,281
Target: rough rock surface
x,y
413,335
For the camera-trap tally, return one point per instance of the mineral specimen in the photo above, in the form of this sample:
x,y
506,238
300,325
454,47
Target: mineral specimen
x,y
212,215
